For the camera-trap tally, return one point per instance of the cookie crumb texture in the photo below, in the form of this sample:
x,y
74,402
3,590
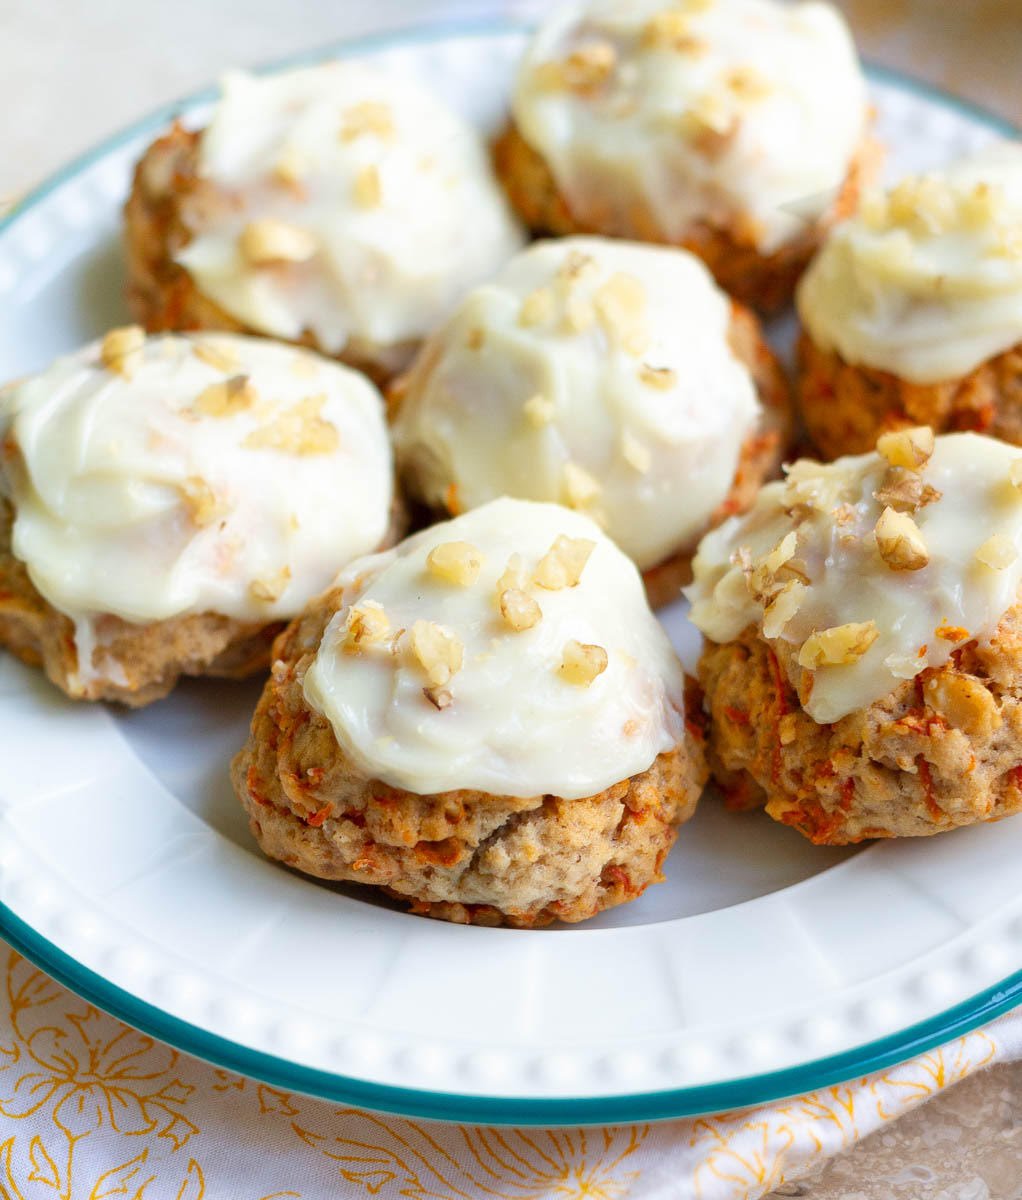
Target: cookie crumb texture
x,y
464,856
941,751
131,664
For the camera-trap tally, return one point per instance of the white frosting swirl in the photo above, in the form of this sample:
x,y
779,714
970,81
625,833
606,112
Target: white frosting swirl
x,y
971,532
926,282
512,724
591,372
390,191
745,114
162,490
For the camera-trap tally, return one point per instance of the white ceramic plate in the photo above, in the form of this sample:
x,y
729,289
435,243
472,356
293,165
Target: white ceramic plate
x,y
763,967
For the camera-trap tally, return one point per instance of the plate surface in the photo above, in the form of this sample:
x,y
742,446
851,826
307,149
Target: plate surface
x,y
762,967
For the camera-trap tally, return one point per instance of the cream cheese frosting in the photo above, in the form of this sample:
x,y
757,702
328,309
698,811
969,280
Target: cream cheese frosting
x,y
926,282
745,114
510,650
590,372
156,477
358,208
873,568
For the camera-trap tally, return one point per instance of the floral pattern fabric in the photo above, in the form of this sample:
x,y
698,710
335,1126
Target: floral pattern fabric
x,y
91,1109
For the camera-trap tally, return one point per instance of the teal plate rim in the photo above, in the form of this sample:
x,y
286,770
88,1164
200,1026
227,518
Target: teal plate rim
x,y
667,1104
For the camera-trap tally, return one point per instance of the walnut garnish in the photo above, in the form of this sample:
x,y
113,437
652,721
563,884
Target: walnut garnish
x,y
269,241
635,453
584,70
663,378
576,266
670,30
963,702
519,609
290,169
764,572
582,663
476,338
904,490
218,355
299,430
438,651
368,189
579,314
924,202
204,506
909,448
270,589
620,305
899,541
515,575
784,605
580,488
371,116
226,398
539,410
367,625
121,350
838,646
537,307
563,563
997,552
747,83
455,562
439,697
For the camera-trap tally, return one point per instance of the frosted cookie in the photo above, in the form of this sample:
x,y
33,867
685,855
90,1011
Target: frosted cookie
x,y
864,641
336,206
166,503
486,721
609,376
912,311
735,128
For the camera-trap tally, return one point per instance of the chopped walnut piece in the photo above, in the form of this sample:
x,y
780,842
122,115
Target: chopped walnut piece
x,y
539,410
670,30
455,562
369,117
519,609
579,314
515,575
218,355
584,70
964,702
290,169
997,552
582,663
269,241
635,453
782,608
202,502
663,378
899,541
620,305
120,350
437,650
576,266
439,697
747,83
476,338
907,447
270,590
580,488
226,398
537,307
904,490
838,646
368,188
299,430
563,563
367,624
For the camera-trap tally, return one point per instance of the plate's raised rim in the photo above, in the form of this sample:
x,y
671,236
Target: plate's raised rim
x,y
448,1106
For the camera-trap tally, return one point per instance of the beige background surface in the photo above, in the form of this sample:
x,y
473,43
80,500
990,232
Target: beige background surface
x,y
72,71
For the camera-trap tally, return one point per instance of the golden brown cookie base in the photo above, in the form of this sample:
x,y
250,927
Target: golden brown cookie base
x,y
942,751
759,460
764,281
464,856
161,294
846,408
